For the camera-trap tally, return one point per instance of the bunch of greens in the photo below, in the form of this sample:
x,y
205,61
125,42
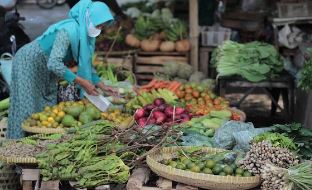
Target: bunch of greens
x,y
254,61
277,140
302,137
305,79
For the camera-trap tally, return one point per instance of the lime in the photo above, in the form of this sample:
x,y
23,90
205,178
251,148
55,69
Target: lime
x,y
186,161
234,166
195,169
201,165
172,164
246,174
183,158
210,164
217,169
222,174
207,171
228,170
238,175
190,165
180,166
239,171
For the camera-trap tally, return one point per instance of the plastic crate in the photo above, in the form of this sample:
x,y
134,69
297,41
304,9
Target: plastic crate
x,y
214,36
289,10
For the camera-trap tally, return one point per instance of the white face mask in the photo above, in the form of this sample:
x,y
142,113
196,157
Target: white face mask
x,y
92,30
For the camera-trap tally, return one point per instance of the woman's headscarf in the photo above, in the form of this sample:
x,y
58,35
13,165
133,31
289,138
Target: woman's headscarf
x,y
82,45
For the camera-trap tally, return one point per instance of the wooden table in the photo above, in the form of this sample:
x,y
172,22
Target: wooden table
x,y
272,88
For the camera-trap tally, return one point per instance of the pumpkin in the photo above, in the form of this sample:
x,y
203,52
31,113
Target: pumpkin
x,y
183,46
150,45
132,41
167,46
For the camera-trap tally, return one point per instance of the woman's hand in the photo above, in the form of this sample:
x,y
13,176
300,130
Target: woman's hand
x,y
87,85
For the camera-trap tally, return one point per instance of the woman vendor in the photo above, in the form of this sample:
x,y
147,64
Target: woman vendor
x,y
39,65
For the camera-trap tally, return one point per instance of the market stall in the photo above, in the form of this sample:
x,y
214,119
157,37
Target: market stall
x,y
162,124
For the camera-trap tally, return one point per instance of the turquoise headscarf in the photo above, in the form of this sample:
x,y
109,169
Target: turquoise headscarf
x,y
82,45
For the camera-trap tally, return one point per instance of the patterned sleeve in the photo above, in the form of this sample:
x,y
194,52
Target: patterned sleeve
x,y
58,52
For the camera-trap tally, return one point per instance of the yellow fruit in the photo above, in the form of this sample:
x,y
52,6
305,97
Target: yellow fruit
x,y
55,110
43,117
58,119
49,125
61,114
105,114
50,119
35,116
45,123
53,115
47,108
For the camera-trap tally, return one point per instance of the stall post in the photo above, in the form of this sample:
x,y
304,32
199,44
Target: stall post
x,y
194,32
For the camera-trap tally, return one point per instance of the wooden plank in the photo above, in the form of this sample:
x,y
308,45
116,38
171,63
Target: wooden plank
x,y
30,174
160,59
194,32
185,187
138,178
148,69
117,53
144,76
27,185
164,184
50,185
160,53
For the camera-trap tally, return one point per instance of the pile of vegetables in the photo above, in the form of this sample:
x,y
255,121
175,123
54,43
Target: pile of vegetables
x,y
149,97
64,115
206,125
295,177
160,31
200,100
123,120
4,106
160,84
264,152
302,137
160,113
222,164
254,61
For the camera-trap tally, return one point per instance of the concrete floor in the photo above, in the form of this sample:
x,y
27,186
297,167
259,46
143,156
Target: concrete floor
x,y
38,19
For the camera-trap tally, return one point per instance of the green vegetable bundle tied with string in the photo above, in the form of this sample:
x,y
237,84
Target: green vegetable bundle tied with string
x,y
254,61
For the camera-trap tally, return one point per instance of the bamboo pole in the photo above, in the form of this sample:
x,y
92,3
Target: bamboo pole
x,y
194,32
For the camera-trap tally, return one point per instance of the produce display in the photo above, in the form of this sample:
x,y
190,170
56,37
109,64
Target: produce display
x,y
263,152
295,177
29,146
159,31
160,84
253,61
64,115
160,113
199,100
149,97
116,116
206,125
222,164
301,137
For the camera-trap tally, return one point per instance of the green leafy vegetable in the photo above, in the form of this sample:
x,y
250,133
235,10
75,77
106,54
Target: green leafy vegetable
x,y
305,79
253,61
302,137
277,140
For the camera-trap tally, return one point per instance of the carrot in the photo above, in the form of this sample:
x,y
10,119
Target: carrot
x,y
176,86
150,84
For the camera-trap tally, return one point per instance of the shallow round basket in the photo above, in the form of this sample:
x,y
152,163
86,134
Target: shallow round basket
x,y
205,181
239,112
41,130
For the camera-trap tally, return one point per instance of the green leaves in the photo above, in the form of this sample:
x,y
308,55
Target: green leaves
x,y
277,140
253,61
305,79
302,137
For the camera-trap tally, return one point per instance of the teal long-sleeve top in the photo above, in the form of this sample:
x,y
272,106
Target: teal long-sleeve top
x,y
60,52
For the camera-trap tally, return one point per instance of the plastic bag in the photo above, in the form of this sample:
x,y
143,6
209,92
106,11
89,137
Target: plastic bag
x,y
195,139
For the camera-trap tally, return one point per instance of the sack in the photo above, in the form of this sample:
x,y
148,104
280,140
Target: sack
x,y
6,60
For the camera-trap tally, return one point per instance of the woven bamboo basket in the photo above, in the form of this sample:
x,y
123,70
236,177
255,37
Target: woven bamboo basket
x,y
41,130
8,178
21,160
205,181
240,112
